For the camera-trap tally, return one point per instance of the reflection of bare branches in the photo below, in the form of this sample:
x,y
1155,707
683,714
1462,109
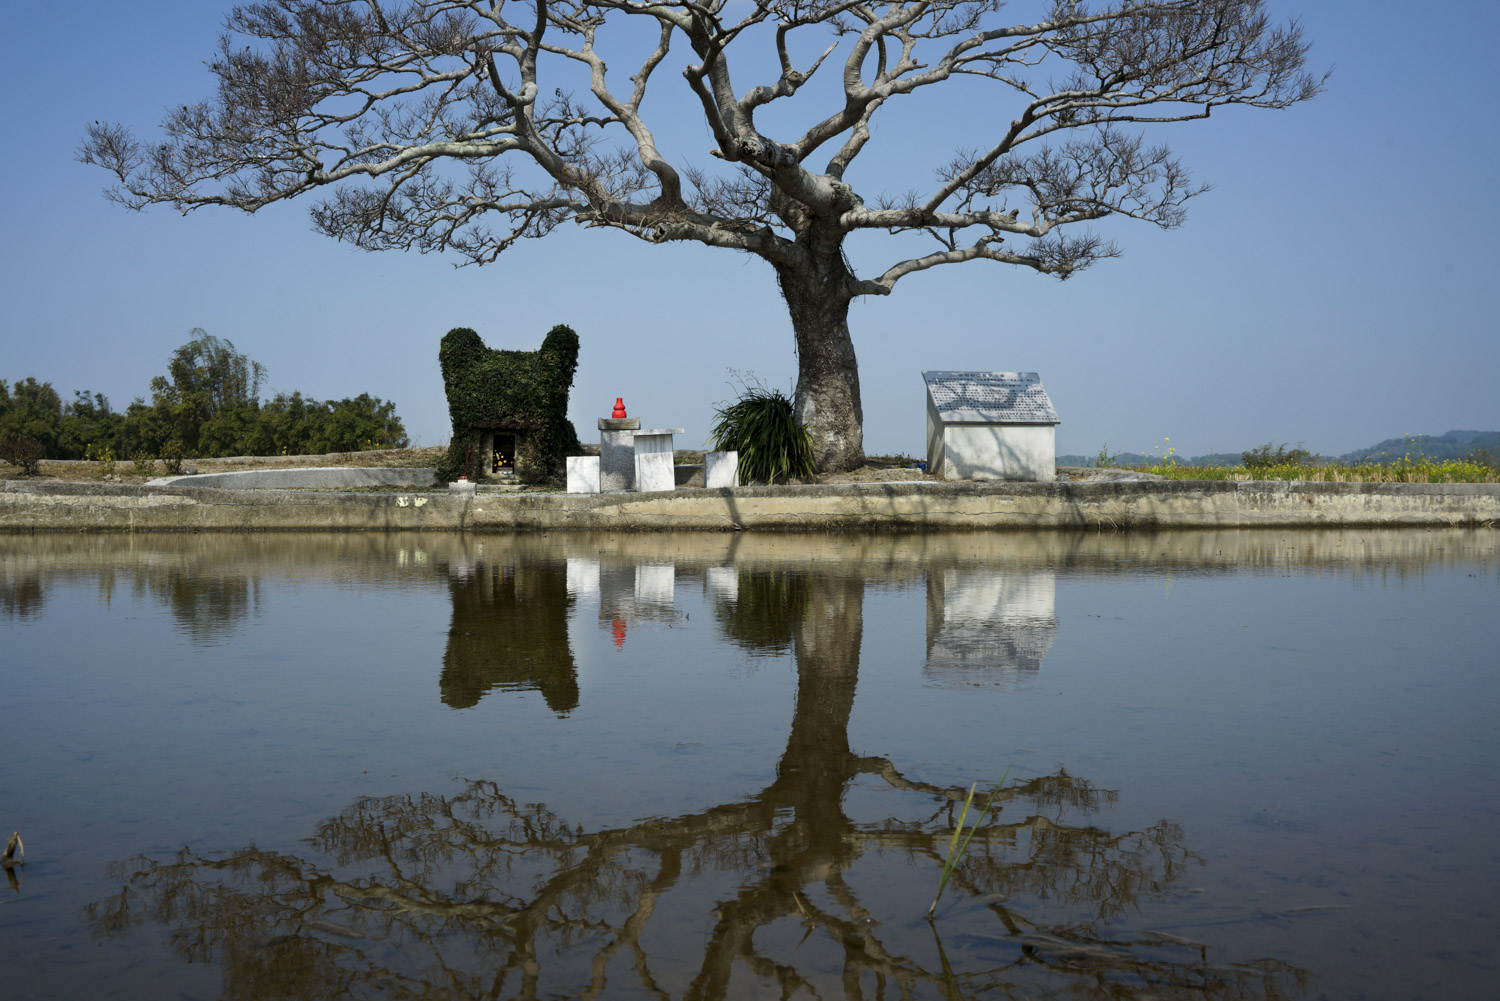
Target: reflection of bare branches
x,y
1077,866
474,893
477,894
1061,966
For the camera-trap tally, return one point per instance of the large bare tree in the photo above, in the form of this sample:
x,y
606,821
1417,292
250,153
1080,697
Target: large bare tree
x,y
467,125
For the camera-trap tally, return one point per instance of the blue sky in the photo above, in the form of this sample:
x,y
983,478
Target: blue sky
x,y
1331,289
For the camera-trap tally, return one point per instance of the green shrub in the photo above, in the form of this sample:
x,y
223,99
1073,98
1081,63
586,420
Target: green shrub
x,y
34,410
172,456
1271,454
760,425
1487,457
88,420
22,450
104,456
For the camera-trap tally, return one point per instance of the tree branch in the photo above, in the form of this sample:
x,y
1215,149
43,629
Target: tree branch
x,y
429,123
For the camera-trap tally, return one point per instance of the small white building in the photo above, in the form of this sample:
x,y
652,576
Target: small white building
x,y
990,426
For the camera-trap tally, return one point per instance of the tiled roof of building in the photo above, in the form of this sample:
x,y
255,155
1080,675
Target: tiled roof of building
x,y
990,398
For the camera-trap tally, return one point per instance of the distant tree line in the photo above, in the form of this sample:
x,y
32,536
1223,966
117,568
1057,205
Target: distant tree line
x,y
207,404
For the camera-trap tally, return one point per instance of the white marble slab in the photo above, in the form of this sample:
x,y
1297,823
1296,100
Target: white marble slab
x,y
653,471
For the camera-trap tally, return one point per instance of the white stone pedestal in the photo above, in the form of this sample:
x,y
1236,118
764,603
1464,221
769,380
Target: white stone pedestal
x,y
583,474
648,440
721,469
617,452
616,460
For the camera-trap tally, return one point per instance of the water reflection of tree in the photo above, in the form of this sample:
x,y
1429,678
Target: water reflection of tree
x,y
207,606
510,630
766,607
479,894
21,595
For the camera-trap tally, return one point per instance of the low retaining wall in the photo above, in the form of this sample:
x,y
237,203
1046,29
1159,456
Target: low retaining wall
x,y
907,506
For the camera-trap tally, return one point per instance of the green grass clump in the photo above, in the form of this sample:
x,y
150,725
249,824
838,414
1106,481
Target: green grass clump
x,y
761,427
959,842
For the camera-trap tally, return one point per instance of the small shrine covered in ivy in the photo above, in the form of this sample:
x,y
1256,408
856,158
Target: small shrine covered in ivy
x,y
509,408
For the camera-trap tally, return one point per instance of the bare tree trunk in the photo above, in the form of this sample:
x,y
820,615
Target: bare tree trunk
x,y
827,397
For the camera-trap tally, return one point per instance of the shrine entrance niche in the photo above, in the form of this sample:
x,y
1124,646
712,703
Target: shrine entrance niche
x,y
499,454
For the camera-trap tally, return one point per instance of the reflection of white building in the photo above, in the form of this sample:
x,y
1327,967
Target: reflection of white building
x,y
722,583
985,626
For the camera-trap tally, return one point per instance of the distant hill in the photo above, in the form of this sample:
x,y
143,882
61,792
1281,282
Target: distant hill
x,y
1452,445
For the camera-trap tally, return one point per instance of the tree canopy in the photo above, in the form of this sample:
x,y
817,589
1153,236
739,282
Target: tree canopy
x,y
468,125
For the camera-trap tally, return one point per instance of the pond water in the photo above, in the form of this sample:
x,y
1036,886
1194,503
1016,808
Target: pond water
x,y
1234,765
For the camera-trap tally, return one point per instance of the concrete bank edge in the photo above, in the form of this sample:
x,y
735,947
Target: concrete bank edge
x,y
898,506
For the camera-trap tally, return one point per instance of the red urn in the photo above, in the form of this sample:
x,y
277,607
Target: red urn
x,y
619,413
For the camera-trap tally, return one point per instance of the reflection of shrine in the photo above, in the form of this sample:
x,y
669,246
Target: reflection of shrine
x,y
985,625
627,593
510,630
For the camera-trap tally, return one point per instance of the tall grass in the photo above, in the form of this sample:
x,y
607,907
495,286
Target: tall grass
x,y
761,427
959,842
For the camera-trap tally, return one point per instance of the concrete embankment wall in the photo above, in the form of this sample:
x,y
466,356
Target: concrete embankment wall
x,y
908,506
